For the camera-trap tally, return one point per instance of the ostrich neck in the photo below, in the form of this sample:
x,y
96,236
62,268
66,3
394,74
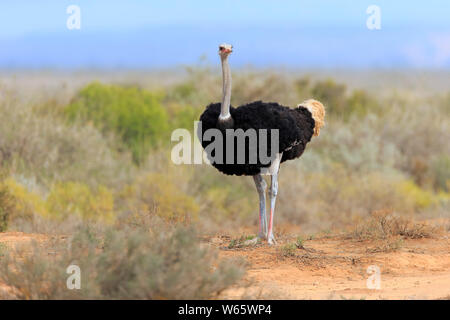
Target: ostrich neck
x,y
226,77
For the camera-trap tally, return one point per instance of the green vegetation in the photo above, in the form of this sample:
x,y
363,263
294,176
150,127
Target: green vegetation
x,y
99,155
440,172
299,242
157,194
70,198
243,241
334,95
3,249
134,115
288,250
366,159
6,207
111,158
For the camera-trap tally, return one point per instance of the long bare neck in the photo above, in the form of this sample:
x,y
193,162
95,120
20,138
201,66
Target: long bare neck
x,y
226,97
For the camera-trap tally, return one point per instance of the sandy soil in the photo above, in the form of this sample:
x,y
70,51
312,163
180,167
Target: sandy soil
x,y
12,239
326,268
336,268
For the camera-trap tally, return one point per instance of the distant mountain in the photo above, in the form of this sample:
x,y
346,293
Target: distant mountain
x,y
259,46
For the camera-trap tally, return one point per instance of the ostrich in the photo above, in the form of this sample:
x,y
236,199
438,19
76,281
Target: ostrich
x,y
295,129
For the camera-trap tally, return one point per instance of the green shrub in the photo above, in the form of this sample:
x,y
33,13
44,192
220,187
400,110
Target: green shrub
x,y
183,92
41,147
134,115
288,250
440,170
299,242
360,103
337,195
3,249
72,198
183,116
251,86
244,241
158,194
332,95
66,200
303,87
17,203
6,205
418,197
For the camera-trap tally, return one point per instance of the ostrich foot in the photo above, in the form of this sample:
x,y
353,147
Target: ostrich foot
x,y
271,240
262,236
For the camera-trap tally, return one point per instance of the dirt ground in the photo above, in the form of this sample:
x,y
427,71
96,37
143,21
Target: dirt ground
x,y
327,268
336,268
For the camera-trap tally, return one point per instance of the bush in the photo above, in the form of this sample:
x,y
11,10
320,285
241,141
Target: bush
x,y
185,92
384,224
288,250
332,95
121,264
360,103
251,86
420,198
68,200
244,241
6,206
157,194
440,170
72,198
134,115
303,87
199,88
224,200
17,203
337,195
183,116
42,147
416,131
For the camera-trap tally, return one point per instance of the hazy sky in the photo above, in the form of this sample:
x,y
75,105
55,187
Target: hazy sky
x,y
139,33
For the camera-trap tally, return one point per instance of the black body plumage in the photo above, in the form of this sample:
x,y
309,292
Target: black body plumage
x,y
295,129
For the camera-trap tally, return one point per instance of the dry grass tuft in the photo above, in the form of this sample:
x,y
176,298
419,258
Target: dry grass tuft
x,y
387,245
244,241
384,224
287,250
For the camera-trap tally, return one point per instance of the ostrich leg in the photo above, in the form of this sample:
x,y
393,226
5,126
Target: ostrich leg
x,y
273,197
261,188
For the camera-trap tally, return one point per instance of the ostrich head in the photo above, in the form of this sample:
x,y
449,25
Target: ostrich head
x,y
317,111
225,50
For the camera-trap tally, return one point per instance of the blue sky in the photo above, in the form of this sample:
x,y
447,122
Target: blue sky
x,y
149,34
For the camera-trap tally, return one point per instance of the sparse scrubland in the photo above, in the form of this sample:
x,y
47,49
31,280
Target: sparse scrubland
x,y
90,164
